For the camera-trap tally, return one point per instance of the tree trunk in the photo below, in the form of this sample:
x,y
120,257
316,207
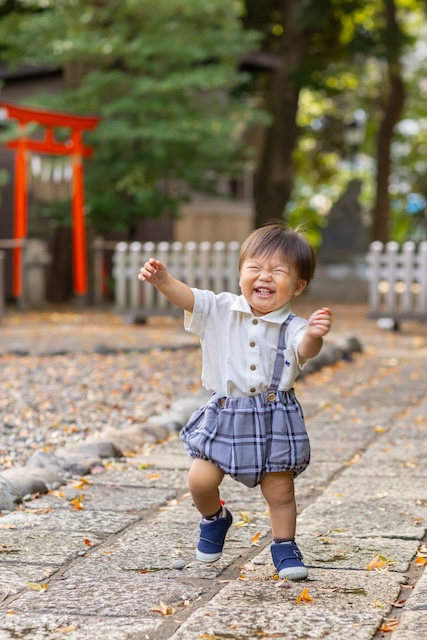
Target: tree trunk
x,y
274,177
392,113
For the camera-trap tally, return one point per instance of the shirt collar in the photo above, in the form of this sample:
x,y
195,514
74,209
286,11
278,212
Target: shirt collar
x,y
277,316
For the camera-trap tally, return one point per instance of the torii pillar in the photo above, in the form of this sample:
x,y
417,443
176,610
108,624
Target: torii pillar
x,y
73,147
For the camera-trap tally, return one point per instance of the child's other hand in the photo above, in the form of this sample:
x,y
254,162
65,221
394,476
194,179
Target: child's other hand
x,y
319,323
153,271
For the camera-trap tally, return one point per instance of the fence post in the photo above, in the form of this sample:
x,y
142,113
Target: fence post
x,y
408,259
204,264
98,269
2,287
233,267
422,298
392,250
120,259
218,267
134,283
374,259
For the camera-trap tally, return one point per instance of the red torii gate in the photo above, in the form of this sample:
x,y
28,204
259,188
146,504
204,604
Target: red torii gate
x,y
72,147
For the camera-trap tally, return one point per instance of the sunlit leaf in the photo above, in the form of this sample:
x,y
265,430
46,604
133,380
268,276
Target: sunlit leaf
x,y
304,596
255,539
36,587
379,563
77,503
163,609
389,625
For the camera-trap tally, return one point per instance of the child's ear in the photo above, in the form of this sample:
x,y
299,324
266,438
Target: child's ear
x,y
300,286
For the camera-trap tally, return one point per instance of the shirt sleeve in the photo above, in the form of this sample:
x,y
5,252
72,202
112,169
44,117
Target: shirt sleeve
x,y
204,307
296,332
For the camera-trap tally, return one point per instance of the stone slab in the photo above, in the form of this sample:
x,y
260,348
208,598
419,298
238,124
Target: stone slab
x,y
112,593
345,604
127,475
331,552
13,579
362,518
42,547
417,601
46,626
102,498
412,626
380,489
66,519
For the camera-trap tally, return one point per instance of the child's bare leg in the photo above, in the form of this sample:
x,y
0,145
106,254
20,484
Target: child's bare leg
x,y
278,490
204,479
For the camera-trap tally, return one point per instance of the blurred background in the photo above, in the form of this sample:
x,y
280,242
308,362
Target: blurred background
x,y
215,118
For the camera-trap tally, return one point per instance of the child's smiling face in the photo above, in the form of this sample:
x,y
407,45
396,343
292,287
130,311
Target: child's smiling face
x,y
268,282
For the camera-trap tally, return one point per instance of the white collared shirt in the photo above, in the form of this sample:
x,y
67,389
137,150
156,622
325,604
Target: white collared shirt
x,y
238,348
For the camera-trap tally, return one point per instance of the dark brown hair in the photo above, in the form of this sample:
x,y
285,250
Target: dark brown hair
x,y
291,244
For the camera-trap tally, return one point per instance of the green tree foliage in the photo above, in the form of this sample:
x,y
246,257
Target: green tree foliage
x,y
162,75
326,59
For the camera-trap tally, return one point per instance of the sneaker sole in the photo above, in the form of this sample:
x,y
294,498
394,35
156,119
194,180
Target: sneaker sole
x,y
207,557
293,573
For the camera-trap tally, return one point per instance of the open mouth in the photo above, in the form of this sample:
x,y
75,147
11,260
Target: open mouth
x,y
261,291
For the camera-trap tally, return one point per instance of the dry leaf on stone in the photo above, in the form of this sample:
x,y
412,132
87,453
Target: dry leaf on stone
x,y
163,609
389,625
36,587
77,503
379,563
255,539
244,519
304,596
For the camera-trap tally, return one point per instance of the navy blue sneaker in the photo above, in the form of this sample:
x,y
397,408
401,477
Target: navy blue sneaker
x,y
212,537
287,559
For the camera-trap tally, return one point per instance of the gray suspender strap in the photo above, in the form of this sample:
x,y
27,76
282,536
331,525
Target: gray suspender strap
x,y
280,359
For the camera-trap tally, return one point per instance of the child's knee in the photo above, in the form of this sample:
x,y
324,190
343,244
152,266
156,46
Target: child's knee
x,y
278,489
204,476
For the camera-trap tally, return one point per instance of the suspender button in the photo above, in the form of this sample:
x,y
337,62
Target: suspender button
x,y
271,397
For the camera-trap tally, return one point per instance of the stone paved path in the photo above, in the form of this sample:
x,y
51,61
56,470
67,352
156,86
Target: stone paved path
x,y
111,555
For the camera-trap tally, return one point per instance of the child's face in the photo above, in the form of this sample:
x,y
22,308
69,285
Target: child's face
x,y
268,283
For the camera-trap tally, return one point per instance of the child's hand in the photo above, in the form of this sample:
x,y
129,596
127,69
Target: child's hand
x,y
153,271
319,323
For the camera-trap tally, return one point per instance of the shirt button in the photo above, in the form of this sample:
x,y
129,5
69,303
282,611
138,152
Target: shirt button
x,y
271,397
252,367
252,344
254,321
252,390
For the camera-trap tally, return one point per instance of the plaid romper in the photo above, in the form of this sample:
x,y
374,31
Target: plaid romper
x,y
249,437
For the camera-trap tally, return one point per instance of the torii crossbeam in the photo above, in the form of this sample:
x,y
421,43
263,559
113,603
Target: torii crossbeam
x,y
73,147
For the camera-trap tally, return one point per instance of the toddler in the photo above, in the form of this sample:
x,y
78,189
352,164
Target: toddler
x,y
252,427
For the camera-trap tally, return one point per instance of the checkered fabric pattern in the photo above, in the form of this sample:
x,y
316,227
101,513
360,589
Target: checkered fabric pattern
x,y
249,437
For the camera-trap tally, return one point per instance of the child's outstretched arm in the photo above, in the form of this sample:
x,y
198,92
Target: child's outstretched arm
x,y
174,290
319,323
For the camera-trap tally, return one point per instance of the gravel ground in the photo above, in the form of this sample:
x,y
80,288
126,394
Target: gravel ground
x,y
50,401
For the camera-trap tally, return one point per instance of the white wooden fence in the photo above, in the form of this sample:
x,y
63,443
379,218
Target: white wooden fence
x,y
205,266
397,277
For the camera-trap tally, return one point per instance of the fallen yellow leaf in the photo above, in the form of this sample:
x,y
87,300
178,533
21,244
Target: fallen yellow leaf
x,y
164,609
304,597
380,563
389,625
36,587
77,503
255,539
